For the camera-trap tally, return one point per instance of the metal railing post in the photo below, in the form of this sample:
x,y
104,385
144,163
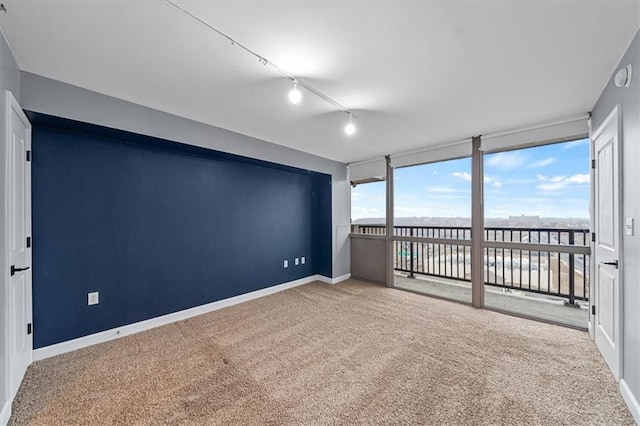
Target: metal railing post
x,y
572,270
411,267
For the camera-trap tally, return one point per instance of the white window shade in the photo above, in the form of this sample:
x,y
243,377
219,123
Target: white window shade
x,y
440,153
560,130
368,171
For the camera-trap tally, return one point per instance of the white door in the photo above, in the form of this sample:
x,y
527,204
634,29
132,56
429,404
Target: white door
x,y
606,203
18,202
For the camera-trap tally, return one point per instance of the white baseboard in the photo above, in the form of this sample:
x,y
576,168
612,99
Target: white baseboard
x,y
335,280
630,399
5,414
114,333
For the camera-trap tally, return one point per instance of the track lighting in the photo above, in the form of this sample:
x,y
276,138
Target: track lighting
x,y
350,128
295,96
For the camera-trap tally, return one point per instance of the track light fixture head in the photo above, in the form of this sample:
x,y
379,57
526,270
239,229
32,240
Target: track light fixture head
x,y
350,128
295,96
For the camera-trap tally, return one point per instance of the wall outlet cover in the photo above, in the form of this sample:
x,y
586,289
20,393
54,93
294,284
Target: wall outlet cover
x,y
628,226
286,263
297,261
302,260
93,298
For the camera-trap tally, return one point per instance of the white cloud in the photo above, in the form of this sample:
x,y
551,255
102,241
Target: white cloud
x,y
543,178
579,178
557,183
492,181
506,160
467,178
462,176
541,163
575,144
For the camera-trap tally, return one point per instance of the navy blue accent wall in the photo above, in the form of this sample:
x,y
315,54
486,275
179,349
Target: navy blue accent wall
x,y
157,227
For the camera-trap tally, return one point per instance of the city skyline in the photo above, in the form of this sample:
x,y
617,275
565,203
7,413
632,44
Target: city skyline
x,y
545,181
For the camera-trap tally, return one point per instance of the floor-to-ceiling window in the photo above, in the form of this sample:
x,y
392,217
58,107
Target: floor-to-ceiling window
x,y
432,229
522,212
536,231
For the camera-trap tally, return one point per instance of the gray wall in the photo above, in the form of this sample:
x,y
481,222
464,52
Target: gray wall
x,y
629,100
9,80
368,258
47,96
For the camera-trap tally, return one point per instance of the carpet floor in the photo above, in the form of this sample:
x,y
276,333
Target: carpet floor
x,y
352,353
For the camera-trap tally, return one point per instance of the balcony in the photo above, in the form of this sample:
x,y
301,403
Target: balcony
x,y
537,272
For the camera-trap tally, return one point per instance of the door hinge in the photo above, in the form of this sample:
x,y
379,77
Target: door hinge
x,y
593,309
29,155
593,237
28,242
29,328
593,164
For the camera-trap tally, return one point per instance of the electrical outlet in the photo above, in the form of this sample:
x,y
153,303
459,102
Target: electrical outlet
x,y
286,263
297,261
302,260
93,298
628,226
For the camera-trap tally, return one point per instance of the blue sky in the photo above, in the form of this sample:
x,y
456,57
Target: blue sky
x,y
549,181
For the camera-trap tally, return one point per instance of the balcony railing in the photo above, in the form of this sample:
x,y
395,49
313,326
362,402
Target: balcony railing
x,y
538,260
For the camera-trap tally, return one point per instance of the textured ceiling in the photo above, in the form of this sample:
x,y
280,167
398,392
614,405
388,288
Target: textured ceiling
x,y
415,73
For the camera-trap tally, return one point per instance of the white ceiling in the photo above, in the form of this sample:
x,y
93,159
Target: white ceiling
x,y
415,73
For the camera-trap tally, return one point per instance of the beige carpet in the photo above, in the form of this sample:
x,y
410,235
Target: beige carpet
x,y
321,354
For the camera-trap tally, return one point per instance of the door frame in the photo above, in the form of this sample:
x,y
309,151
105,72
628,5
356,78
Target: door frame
x,y
615,114
11,104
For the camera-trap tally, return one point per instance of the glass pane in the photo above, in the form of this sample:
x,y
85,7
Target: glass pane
x,y
434,201
538,196
368,208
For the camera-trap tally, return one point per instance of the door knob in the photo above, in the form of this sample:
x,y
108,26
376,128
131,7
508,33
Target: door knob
x,y
614,263
14,269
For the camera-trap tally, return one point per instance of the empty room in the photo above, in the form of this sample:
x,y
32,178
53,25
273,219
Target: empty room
x,y
319,212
